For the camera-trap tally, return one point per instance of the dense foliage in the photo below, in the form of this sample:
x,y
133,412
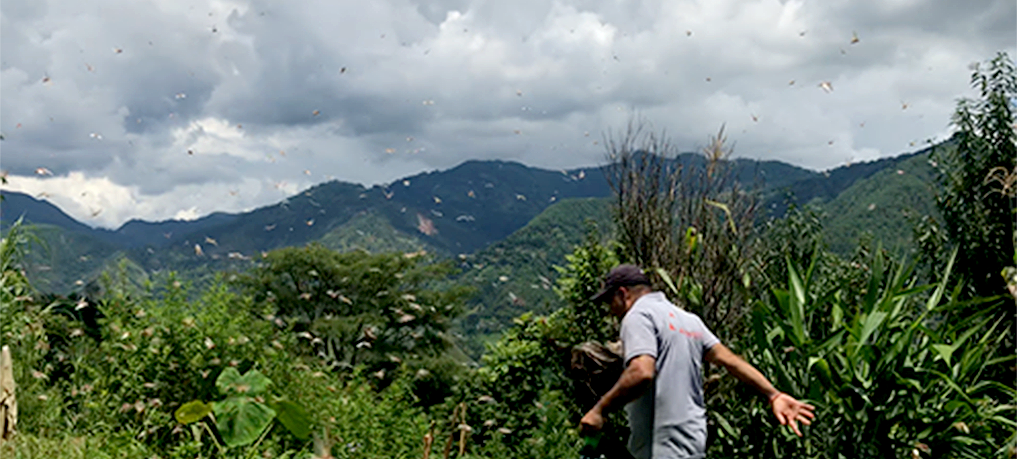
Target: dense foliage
x,y
152,351
977,196
518,275
356,308
897,368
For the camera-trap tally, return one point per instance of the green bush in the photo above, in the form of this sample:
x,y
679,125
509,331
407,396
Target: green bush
x,y
94,446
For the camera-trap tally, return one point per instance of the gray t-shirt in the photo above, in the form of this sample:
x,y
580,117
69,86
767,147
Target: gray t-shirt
x,y
669,420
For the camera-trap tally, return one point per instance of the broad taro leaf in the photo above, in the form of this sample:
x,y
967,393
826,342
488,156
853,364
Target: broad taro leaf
x,y
241,420
192,411
230,382
294,418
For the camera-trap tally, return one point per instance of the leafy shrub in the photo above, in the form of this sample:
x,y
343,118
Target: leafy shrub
x,y
107,445
522,396
158,352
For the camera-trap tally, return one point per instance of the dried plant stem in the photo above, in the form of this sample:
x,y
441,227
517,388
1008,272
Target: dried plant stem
x,y
428,441
687,215
452,436
462,429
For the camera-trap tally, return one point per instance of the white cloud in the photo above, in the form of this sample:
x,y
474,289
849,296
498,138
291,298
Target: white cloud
x,y
192,213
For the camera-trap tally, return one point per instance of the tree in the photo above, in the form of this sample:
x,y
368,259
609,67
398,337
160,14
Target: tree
x,y
359,308
978,215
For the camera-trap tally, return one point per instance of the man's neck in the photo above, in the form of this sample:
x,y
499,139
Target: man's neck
x,y
635,298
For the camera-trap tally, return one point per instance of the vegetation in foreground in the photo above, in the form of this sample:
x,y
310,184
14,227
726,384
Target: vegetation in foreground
x,y
322,354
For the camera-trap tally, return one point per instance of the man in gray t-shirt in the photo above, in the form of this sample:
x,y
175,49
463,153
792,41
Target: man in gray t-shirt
x,y
662,385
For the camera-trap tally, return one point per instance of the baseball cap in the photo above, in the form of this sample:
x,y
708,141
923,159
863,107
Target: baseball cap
x,y
620,276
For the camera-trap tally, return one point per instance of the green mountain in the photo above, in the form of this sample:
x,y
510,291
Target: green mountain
x,y
517,274
374,233
140,233
506,224
830,184
14,206
455,211
883,205
59,260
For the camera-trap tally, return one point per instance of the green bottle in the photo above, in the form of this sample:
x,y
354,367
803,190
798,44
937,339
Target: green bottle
x,y
591,443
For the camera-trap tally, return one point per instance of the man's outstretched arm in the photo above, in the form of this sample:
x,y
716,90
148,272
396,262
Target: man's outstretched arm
x,y
637,377
787,410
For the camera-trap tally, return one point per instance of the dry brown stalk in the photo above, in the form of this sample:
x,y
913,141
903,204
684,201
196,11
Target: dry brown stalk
x,y
452,435
684,214
688,216
463,429
428,441
323,446
8,403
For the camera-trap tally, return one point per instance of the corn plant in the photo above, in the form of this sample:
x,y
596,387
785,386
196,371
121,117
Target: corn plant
x,y
895,371
15,290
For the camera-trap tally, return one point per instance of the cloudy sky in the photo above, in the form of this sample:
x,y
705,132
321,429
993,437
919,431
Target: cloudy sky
x,y
157,109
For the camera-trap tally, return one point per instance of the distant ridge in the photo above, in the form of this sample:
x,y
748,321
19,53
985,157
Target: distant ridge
x,y
461,210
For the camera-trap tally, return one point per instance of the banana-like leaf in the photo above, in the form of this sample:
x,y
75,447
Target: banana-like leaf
x,y
294,418
251,383
241,420
192,411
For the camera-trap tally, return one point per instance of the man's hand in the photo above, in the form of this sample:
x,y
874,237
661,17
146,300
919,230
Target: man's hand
x,y
789,411
592,422
634,381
